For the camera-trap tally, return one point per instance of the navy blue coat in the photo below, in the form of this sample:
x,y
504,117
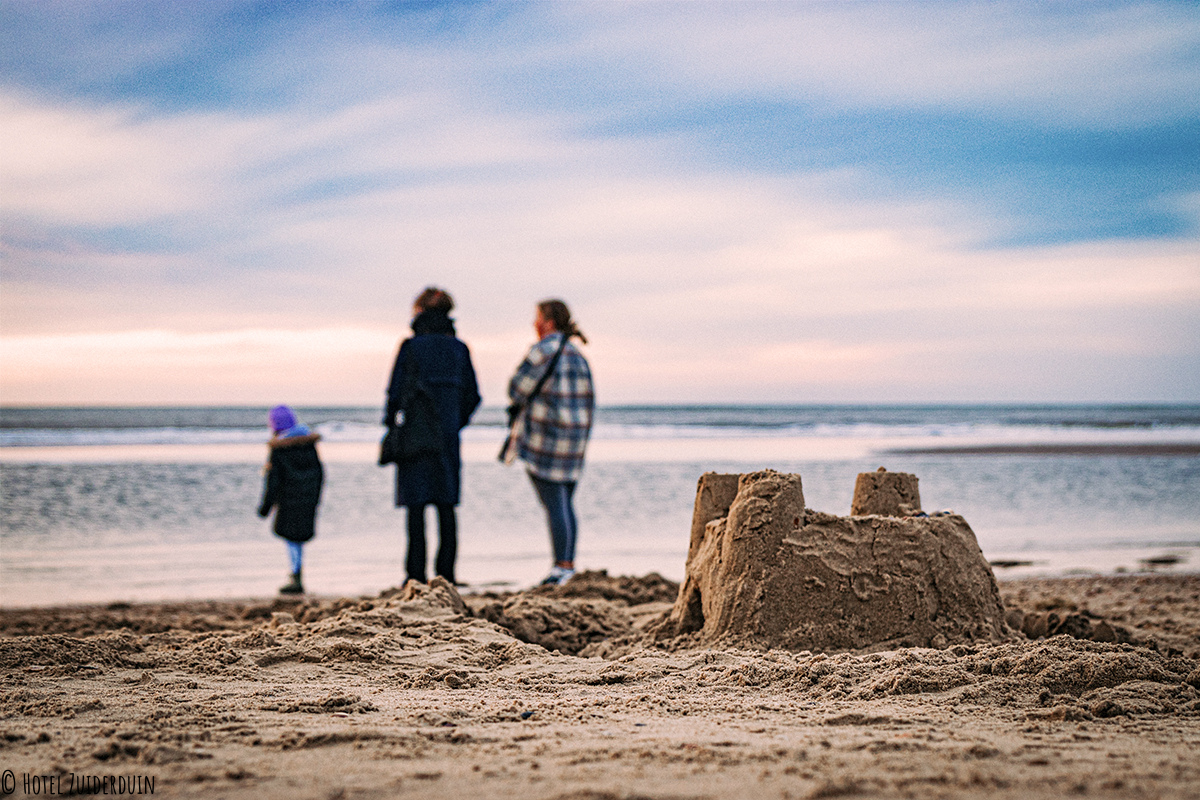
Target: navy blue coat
x,y
443,363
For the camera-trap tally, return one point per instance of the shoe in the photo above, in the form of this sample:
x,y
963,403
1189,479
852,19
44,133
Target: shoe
x,y
294,586
558,576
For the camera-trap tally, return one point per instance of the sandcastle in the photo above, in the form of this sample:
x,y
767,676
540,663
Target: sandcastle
x,y
765,571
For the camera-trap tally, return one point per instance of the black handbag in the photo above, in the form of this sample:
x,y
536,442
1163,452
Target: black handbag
x,y
419,434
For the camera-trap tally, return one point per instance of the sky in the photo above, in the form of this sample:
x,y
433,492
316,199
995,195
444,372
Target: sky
x,y
741,202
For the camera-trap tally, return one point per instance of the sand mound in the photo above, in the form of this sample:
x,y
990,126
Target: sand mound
x,y
767,572
70,654
1167,615
599,585
424,642
438,593
593,614
567,627
1061,678
88,620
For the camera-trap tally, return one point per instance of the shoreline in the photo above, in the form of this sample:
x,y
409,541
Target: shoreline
x,y
557,693
1113,449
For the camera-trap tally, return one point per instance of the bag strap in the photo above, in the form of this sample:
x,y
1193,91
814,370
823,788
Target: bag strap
x,y
537,387
408,388
515,412
410,375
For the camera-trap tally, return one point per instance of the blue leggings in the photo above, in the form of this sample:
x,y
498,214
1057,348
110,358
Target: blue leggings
x,y
560,514
296,554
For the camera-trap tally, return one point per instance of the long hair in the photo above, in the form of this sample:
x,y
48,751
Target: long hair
x,y
559,315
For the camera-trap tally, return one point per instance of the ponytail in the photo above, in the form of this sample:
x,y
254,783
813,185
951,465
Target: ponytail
x,y
559,315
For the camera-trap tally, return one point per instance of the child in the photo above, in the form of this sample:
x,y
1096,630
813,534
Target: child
x,y
292,486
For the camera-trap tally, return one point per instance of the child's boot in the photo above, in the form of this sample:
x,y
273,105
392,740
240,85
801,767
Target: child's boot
x,y
294,586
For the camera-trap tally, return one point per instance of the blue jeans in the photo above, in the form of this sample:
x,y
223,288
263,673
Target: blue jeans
x,y
560,514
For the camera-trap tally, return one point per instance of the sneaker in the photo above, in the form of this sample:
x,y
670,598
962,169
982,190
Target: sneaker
x,y
558,576
294,586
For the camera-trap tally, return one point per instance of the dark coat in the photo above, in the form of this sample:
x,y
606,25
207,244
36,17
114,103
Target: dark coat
x,y
443,363
293,486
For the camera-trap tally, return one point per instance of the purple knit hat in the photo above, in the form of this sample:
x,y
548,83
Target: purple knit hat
x,y
281,418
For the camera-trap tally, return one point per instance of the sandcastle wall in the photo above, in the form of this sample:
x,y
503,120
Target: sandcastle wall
x,y
766,571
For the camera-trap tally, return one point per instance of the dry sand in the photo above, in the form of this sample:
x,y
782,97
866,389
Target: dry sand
x,y
420,693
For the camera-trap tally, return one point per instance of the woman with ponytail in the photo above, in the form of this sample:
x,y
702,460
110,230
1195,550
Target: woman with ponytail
x,y
556,419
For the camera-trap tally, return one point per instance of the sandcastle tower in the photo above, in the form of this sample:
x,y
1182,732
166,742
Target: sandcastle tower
x,y
888,494
765,571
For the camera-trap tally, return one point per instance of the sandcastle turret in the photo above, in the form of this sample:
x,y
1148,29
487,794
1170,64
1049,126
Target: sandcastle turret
x,y
887,494
764,570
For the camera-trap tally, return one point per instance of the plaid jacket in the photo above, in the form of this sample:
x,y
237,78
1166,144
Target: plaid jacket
x,y
557,423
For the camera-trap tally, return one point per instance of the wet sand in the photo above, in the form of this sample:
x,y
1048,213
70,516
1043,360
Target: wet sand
x,y
556,693
1114,449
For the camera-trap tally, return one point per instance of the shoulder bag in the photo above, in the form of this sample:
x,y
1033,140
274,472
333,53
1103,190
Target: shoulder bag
x,y
419,434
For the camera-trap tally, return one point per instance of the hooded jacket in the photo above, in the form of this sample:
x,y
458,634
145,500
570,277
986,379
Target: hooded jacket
x,y
293,485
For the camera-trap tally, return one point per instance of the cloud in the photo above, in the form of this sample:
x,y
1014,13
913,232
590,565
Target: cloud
x,y
988,333
100,167
1112,65
146,367
233,244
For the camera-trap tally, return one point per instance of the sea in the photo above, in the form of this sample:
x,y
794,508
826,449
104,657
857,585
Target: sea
x,y
115,505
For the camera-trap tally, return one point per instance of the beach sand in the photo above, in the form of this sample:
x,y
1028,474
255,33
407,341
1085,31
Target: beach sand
x,y
556,693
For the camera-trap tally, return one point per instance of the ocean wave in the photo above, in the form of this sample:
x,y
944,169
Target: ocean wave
x,y
893,435
62,427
